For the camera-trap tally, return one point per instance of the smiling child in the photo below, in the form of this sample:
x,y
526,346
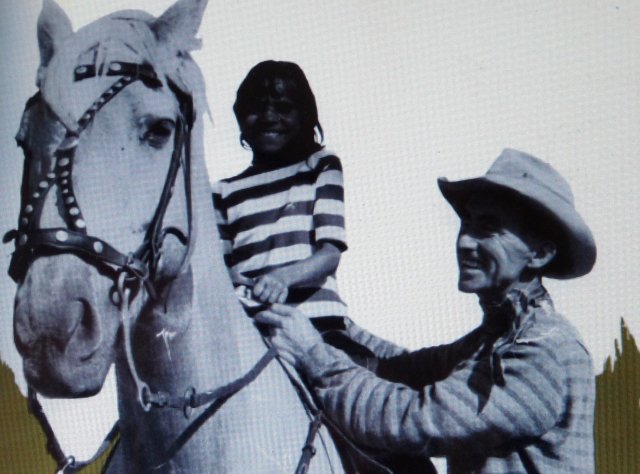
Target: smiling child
x,y
282,219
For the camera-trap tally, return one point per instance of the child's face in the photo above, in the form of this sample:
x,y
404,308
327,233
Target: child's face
x,y
273,125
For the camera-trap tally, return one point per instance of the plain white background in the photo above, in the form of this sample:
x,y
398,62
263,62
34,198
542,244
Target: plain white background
x,y
407,91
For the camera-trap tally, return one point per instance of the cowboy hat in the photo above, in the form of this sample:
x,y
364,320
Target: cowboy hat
x,y
541,190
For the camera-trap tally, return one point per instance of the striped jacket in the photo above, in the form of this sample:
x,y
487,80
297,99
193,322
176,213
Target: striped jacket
x,y
271,217
505,398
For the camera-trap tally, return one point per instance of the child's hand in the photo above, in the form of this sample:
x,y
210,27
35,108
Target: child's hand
x,y
270,288
238,278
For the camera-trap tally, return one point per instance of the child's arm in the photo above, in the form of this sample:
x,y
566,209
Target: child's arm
x,y
329,236
273,287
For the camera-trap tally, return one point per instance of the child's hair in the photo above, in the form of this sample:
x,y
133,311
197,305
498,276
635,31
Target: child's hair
x,y
261,80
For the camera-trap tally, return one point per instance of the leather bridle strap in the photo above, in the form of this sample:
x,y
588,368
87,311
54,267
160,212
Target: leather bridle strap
x,y
193,399
135,267
139,265
66,240
213,399
65,464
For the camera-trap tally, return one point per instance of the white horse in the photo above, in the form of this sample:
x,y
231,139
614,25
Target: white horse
x,y
109,267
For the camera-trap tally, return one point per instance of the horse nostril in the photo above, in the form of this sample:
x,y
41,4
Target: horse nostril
x,y
85,336
87,321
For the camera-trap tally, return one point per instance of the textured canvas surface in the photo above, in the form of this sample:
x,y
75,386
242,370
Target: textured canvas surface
x,y
408,91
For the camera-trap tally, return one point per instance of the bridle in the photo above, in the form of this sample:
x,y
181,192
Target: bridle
x,y
140,265
131,271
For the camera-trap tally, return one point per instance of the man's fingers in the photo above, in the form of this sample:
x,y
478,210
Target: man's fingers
x,y
266,290
287,357
283,309
269,318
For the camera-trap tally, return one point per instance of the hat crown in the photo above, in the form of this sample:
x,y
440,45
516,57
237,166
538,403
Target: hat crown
x,y
536,184
532,171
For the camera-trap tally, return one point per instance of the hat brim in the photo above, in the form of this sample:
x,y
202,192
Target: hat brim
x,y
576,253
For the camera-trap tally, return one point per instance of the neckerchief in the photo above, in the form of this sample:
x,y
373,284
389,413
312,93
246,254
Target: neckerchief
x,y
505,322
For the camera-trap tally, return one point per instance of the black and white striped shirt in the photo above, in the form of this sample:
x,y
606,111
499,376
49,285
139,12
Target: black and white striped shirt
x,y
269,218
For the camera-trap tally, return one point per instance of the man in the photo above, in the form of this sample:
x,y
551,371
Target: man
x,y
516,394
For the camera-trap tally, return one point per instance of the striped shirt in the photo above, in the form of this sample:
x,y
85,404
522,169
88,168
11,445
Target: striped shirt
x,y
515,400
269,218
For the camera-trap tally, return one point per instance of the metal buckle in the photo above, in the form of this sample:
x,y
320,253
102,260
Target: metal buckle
x,y
189,397
70,462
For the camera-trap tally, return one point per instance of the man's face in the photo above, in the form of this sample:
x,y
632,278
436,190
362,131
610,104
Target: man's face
x,y
274,122
491,248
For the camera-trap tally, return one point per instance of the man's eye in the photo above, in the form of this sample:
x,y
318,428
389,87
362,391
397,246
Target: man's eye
x,y
158,132
489,227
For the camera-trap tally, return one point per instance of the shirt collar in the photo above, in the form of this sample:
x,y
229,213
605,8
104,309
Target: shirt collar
x,y
512,312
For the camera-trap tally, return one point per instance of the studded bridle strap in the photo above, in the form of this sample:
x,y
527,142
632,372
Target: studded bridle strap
x,y
131,270
137,266
32,241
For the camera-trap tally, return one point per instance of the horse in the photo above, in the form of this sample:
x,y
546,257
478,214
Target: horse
x,y
118,260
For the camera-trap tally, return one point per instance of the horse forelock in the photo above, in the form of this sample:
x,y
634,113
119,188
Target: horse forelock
x,y
122,36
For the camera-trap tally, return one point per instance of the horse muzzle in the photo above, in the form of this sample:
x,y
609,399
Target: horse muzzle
x,y
61,328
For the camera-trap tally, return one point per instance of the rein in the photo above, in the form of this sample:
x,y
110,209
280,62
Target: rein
x,y
132,271
65,464
31,241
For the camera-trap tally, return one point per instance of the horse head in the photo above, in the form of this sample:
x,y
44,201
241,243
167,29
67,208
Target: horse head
x,y
110,202
105,221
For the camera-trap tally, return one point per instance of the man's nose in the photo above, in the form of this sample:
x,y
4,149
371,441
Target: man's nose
x,y
466,240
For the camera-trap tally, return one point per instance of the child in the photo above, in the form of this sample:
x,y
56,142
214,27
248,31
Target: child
x,y
282,219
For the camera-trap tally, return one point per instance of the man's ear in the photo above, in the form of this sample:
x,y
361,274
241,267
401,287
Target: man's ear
x,y
541,254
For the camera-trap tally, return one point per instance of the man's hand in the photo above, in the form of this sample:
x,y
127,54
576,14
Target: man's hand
x,y
270,288
292,334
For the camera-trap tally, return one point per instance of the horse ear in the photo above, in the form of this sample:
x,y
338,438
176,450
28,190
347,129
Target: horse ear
x,y
179,24
53,26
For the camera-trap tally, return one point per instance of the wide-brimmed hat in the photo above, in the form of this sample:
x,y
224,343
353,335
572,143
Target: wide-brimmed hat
x,y
541,191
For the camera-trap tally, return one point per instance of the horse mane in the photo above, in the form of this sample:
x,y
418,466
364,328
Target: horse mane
x,y
130,31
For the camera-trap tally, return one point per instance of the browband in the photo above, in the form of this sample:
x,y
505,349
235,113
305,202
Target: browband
x,y
31,241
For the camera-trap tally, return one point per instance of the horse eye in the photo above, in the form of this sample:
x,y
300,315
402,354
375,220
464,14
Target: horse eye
x,y
158,132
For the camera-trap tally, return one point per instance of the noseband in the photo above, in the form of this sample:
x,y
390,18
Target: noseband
x,y
130,271
140,265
